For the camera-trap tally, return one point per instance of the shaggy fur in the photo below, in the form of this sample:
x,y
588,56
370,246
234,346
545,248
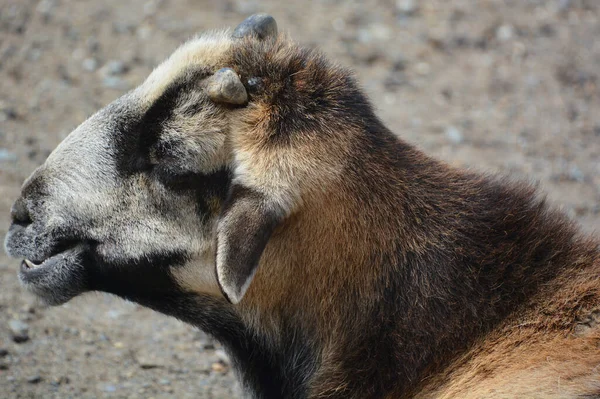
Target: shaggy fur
x,y
430,258
350,264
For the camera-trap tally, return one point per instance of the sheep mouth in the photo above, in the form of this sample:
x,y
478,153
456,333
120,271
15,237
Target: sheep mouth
x,y
28,266
58,278
31,269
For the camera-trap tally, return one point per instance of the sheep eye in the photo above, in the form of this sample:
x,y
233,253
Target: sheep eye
x,y
255,84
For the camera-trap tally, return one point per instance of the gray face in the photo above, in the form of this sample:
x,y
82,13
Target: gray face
x,y
128,202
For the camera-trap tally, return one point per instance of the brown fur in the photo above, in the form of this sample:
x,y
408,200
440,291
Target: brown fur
x,y
519,274
550,349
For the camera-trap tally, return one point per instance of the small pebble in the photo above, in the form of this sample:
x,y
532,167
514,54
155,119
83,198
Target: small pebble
x,y
29,308
454,135
115,67
218,367
144,32
60,381
564,5
123,27
34,379
109,388
576,174
90,64
7,112
505,32
423,68
338,24
149,360
46,7
150,8
399,63
7,156
407,7
19,331
114,82
92,44
3,352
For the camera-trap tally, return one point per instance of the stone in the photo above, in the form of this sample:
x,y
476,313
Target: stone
x,y
109,388
454,135
115,82
19,331
564,5
147,360
62,380
505,32
407,7
115,67
575,174
219,367
46,9
7,156
423,68
90,64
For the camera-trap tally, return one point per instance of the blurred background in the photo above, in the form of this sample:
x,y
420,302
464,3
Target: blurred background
x,y
495,85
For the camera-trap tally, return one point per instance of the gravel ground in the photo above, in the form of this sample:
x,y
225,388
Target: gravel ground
x,y
496,85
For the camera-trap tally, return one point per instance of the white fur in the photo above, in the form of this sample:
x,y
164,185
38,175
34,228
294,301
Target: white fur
x,y
206,51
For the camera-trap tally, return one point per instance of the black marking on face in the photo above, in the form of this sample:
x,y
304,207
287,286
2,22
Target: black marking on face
x,y
134,140
136,280
208,190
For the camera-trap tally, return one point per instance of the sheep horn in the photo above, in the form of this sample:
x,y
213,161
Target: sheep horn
x,y
225,86
259,25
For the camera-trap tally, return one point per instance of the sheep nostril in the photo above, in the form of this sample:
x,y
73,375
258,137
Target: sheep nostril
x,y
19,213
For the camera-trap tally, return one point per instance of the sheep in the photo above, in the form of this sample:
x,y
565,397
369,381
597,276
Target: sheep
x,y
248,188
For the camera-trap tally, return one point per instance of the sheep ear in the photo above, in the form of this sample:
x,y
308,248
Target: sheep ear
x,y
246,224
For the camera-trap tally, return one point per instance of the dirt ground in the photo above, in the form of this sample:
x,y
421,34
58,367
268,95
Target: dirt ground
x,y
496,85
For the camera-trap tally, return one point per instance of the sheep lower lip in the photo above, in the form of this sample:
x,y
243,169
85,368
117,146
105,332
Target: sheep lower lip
x,y
58,278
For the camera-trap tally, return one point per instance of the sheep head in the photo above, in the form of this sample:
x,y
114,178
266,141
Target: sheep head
x,y
180,183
